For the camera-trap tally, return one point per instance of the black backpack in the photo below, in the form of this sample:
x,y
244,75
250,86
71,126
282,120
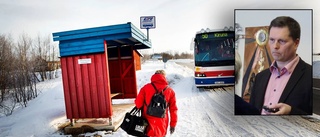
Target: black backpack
x,y
158,104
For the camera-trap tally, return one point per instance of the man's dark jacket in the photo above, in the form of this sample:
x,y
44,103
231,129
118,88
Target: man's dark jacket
x,y
297,93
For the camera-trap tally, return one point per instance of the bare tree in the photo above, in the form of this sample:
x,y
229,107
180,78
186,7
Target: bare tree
x,y
185,55
54,64
20,63
42,46
6,63
24,90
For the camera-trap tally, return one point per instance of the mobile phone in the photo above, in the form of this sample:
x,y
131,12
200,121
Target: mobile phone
x,y
273,110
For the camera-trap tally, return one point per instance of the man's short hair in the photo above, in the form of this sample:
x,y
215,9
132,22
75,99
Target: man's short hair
x,y
286,21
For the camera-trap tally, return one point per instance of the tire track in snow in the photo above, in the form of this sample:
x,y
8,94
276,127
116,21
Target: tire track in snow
x,y
191,116
217,101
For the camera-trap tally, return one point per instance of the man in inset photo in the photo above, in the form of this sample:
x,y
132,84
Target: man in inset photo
x,y
285,86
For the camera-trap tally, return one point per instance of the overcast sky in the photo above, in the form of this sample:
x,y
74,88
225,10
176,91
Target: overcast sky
x,y
176,20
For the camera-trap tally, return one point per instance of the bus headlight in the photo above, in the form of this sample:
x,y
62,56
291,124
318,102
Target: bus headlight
x,y
200,75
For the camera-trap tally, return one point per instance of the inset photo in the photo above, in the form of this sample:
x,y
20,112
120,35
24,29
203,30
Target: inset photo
x,y
273,62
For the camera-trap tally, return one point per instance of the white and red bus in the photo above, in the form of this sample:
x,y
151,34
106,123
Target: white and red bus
x,y
214,52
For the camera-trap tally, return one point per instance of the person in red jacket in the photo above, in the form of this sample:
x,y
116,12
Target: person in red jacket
x,y
158,126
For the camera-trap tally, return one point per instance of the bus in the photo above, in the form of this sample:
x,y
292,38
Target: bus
x,y
214,52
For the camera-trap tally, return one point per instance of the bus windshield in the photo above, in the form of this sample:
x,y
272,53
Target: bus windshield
x,y
214,49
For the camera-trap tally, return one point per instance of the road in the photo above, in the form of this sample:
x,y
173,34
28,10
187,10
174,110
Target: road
x,y
316,96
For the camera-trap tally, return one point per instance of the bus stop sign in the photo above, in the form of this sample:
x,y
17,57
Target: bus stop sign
x,y
148,22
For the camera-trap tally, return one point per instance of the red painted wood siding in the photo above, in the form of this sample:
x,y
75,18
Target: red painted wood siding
x,y
86,86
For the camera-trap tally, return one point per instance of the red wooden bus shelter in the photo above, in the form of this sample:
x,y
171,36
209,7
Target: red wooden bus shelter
x,y
97,63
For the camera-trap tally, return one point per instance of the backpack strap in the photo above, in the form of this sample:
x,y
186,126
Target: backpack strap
x,y
157,89
153,94
154,88
164,89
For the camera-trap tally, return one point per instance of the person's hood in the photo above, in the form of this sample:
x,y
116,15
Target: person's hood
x,y
159,79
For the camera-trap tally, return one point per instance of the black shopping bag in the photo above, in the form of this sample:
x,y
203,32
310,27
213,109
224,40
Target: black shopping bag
x,y
133,123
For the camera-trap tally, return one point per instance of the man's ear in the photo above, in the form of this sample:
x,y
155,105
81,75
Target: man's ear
x,y
296,42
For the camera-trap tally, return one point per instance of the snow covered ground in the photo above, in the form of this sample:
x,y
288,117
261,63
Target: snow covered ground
x,y
201,113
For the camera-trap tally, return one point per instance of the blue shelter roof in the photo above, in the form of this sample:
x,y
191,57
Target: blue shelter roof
x,y
91,40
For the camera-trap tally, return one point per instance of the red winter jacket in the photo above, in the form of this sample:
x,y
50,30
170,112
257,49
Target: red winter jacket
x,y
158,126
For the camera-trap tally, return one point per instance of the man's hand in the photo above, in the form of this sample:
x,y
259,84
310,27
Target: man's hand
x,y
172,130
284,109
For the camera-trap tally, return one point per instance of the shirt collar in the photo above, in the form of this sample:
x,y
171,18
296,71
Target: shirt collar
x,y
287,68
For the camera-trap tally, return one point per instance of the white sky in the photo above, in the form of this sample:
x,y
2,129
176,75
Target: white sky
x,y
176,20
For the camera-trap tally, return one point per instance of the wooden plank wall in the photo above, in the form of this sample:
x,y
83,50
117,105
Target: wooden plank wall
x,y
86,87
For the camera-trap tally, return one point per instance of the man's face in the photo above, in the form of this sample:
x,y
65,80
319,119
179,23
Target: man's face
x,y
283,47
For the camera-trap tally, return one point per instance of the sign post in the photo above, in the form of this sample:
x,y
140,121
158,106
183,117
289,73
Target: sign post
x,y
148,22
165,60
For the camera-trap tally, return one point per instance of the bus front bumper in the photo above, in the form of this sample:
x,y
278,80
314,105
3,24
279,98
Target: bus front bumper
x,y
213,81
